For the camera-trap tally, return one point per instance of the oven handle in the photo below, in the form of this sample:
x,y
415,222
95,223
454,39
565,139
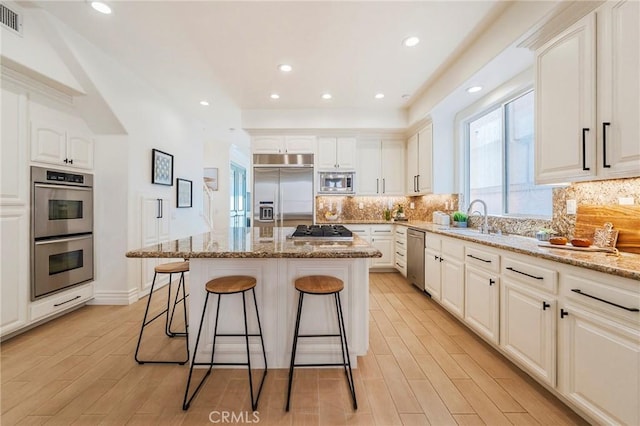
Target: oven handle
x,y
64,240
48,186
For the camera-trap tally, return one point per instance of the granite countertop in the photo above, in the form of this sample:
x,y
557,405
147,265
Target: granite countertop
x,y
252,243
626,265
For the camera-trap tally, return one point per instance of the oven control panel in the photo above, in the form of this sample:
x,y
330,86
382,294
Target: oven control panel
x,y
64,177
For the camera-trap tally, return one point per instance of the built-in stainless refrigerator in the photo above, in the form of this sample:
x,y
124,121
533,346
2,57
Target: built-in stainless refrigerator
x,y
282,189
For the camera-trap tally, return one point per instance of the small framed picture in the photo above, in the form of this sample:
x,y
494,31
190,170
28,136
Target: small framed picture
x,y
185,193
161,168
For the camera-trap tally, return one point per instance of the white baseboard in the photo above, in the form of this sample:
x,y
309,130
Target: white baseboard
x,y
123,297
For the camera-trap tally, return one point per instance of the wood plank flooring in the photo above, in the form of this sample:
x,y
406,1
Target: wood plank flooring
x,y
423,367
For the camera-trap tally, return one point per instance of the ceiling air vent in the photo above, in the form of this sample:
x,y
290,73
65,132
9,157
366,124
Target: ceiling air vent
x,y
10,19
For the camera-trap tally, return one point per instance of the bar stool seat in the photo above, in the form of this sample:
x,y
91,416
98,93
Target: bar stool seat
x,y
167,268
322,285
225,286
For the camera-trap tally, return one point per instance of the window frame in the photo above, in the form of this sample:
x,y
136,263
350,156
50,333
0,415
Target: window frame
x,y
481,108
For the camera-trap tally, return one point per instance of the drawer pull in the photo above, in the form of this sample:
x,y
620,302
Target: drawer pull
x,y
398,253
70,300
492,281
524,273
563,313
577,290
478,258
545,305
400,242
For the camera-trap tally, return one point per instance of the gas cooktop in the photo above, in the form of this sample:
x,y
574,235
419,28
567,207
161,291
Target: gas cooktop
x,y
322,233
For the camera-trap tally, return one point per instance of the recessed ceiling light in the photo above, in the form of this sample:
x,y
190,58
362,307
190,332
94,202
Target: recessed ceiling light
x,y
204,103
326,96
474,89
274,96
379,95
411,41
101,7
285,67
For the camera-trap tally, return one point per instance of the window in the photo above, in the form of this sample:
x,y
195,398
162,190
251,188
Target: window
x,y
500,156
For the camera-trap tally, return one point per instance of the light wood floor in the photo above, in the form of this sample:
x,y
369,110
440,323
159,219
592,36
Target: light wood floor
x,y
423,367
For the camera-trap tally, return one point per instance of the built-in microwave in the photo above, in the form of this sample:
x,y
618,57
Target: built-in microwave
x,y
336,183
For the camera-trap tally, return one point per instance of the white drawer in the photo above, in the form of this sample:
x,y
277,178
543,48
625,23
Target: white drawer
x,y
401,231
452,248
530,273
59,302
432,241
361,231
482,259
401,244
401,254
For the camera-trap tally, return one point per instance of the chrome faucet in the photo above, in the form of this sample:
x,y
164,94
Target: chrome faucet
x,y
484,228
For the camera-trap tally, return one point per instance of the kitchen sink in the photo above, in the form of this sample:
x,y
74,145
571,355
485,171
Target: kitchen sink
x,y
471,232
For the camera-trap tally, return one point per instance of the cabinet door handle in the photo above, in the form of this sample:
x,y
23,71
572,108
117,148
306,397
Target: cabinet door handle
x,y
563,313
584,148
418,183
384,185
159,214
441,259
66,301
545,305
478,258
377,186
576,290
66,160
604,145
436,257
492,281
524,273
415,185
71,161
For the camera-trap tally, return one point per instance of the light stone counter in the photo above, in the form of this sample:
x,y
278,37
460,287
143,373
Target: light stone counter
x,y
275,261
626,265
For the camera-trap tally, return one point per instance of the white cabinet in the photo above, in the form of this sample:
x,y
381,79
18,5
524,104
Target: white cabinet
x,y
15,277
528,316
419,176
482,293
444,272
336,153
55,139
586,123
278,144
380,167
400,248
155,215
382,239
599,346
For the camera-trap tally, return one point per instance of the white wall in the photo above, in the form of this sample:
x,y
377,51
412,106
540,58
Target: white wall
x,y
123,162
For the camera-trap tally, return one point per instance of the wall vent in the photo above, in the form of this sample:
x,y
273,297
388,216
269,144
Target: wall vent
x,y
10,19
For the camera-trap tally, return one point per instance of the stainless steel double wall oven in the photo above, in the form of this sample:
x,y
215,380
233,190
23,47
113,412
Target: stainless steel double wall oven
x,y
61,230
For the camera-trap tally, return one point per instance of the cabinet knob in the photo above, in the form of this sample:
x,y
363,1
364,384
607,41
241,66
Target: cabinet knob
x,y
71,161
563,313
545,305
66,160
492,281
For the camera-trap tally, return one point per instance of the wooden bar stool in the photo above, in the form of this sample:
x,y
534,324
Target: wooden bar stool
x,y
168,268
224,286
322,285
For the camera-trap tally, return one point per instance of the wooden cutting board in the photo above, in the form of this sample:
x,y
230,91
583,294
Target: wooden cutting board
x,y
626,219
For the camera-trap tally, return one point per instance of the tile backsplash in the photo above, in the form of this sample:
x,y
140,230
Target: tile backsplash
x,y
585,193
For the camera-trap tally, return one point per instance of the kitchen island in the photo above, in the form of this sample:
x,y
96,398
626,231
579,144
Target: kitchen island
x,y
275,260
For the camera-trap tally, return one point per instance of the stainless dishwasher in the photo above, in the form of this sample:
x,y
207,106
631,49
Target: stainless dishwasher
x,y
415,257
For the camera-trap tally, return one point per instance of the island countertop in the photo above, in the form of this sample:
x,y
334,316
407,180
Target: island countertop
x,y
255,243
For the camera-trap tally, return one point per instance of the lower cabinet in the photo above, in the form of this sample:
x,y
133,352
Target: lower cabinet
x,y
528,328
432,271
452,270
400,248
599,346
382,239
14,274
481,302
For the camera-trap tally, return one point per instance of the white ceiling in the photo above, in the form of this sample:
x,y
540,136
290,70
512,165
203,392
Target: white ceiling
x,y
214,50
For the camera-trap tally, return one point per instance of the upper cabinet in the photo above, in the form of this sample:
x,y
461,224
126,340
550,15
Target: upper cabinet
x,y
336,153
380,168
587,123
278,144
61,142
419,176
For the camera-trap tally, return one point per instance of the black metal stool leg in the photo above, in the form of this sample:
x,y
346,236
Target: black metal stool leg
x,y
254,402
144,319
176,300
186,402
293,350
345,345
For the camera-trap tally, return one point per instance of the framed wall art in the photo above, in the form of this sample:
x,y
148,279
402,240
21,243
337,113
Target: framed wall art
x,y
185,193
161,168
